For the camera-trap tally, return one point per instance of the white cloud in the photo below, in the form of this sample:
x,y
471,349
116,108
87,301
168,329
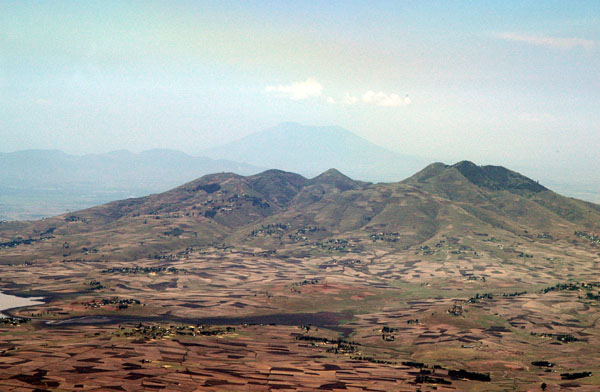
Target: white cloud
x,y
382,99
349,99
309,88
537,118
548,42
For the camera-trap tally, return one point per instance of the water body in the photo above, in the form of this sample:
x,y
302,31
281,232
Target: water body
x,y
11,301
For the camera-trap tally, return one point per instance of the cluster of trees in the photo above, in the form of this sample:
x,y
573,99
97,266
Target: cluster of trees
x,y
542,363
454,374
339,346
593,296
120,303
143,270
561,337
426,378
515,294
372,360
18,241
588,236
571,286
310,229
418,365
456,310
269,230
347,263
95,285
337,244
479,297
307,282
300,234
426,250
175,232
14,321
383,236
574,376
464,374
75,218
474,277
159,332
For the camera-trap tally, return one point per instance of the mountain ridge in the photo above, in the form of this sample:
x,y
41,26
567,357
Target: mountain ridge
x,y
226,207
495,188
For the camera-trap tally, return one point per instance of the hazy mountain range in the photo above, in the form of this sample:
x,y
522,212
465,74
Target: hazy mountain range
x,y
311,150
150,170
38,183
41,183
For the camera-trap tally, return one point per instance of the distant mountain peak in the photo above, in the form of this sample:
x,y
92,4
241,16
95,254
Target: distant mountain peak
x,y
309,150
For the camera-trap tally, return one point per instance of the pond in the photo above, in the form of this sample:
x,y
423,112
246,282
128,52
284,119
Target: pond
x,y
11,301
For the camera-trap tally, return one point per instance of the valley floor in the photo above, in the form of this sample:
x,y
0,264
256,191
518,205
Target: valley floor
x,y
378,319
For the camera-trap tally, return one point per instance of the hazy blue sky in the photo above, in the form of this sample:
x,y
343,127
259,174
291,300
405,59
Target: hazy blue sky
x,y
501,82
